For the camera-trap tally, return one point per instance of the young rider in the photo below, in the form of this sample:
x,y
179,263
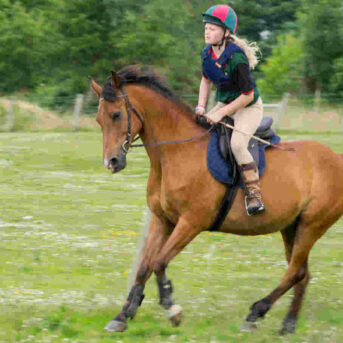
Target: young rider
x,y
226,63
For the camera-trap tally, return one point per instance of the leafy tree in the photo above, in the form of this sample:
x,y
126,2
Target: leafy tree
x,y
321,23
50,46
27,45
336,82
283,69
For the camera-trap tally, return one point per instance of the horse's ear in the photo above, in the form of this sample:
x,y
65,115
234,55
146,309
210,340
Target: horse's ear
x,y
96,88
116,80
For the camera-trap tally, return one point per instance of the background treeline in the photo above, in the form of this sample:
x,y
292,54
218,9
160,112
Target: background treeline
x,y
49,47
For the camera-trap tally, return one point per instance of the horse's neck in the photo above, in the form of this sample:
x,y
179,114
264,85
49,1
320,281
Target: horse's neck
x,y
164,119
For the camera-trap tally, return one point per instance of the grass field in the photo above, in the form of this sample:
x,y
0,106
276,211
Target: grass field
x,y
68,235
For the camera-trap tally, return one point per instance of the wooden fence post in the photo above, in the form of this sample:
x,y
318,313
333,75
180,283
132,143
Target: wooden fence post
x,y
282,110
11,115
77,111
317,100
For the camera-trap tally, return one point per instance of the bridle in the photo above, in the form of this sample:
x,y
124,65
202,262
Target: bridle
x,y
126,145
129,106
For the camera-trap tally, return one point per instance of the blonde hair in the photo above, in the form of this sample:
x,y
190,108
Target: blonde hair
x,y
251,50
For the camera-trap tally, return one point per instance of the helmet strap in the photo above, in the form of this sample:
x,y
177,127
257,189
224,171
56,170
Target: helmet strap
x,y
219,45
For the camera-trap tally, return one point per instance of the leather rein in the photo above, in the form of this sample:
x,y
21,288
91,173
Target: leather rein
x,y
126,145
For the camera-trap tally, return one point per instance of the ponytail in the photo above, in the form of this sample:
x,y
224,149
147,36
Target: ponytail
x,y
251,50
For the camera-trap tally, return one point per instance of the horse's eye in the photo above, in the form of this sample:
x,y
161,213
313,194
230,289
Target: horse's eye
x,y
116,115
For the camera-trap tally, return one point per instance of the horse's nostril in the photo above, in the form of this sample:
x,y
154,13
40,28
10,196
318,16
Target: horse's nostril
x,y
113,162
116,164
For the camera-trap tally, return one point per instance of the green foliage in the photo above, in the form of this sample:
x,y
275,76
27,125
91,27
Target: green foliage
x,y
336,81
27,45
49,47
283,69
174,49
321,23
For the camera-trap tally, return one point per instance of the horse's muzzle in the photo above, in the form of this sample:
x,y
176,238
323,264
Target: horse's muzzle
x,y
115,164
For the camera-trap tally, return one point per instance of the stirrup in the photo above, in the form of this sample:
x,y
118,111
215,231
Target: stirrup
x,y
255,210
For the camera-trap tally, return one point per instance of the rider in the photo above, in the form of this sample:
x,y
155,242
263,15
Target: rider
x,y
226,62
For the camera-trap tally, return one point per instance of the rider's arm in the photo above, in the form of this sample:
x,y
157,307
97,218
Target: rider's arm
x,y
204,91
244,84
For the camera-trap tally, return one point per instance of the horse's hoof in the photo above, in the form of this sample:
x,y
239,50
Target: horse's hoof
x,y
289,324
288,328
175,314
115,326
248,327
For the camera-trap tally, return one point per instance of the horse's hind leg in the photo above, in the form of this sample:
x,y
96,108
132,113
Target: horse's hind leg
x,y
158,234
291,319
306,236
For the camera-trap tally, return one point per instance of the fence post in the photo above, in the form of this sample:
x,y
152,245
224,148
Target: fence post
x,y
139,251
77,111
317,94
11,114
282,110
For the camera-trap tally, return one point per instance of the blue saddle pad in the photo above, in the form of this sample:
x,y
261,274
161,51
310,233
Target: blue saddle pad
x,y
221,170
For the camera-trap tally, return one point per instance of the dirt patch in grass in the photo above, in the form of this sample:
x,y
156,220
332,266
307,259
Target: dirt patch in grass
x,y
43,119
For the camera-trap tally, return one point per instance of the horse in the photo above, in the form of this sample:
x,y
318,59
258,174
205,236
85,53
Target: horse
x,y
302,189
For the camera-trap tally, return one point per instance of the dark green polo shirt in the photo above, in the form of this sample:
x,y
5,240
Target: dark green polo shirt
x,y
237,69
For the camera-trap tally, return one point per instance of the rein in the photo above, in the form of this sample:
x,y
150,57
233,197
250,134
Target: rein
x,y
130,107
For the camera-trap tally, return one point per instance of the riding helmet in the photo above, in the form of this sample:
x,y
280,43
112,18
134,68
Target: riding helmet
x,y
222,15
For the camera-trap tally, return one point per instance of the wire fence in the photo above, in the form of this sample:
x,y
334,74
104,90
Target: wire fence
x,y
306,113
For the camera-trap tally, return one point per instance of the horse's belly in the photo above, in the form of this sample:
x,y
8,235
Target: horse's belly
x,y
281,211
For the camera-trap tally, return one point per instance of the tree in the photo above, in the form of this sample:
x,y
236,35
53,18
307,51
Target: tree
x,y
283,70
321,23
51,46
27,44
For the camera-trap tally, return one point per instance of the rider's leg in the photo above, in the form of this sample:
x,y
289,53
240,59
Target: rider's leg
x,y
247,120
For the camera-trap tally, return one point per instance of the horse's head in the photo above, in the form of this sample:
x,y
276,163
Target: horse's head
x,y
118,123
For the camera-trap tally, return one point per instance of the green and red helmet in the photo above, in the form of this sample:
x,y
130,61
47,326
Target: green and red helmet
x,y
222,15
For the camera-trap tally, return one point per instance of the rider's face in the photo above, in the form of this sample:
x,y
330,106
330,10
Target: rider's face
x,y
213,33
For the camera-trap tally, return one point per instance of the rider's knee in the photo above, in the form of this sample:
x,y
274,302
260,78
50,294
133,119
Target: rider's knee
x,y
237,147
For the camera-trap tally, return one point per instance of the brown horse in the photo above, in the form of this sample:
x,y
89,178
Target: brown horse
x,y
302,190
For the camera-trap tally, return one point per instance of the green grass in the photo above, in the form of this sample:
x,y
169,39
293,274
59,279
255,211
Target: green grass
x,y
68,235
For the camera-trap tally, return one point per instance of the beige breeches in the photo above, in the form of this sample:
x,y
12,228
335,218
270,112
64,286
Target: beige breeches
x,y
246,120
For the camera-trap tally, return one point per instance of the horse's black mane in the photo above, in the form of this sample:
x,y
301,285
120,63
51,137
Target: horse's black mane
x,y
141,76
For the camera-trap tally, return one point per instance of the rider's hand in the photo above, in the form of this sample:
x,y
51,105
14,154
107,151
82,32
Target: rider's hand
x,y
215,117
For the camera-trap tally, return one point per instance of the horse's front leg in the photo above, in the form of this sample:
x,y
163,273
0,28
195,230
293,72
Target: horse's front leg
x,y
165,288
183,234
159,232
